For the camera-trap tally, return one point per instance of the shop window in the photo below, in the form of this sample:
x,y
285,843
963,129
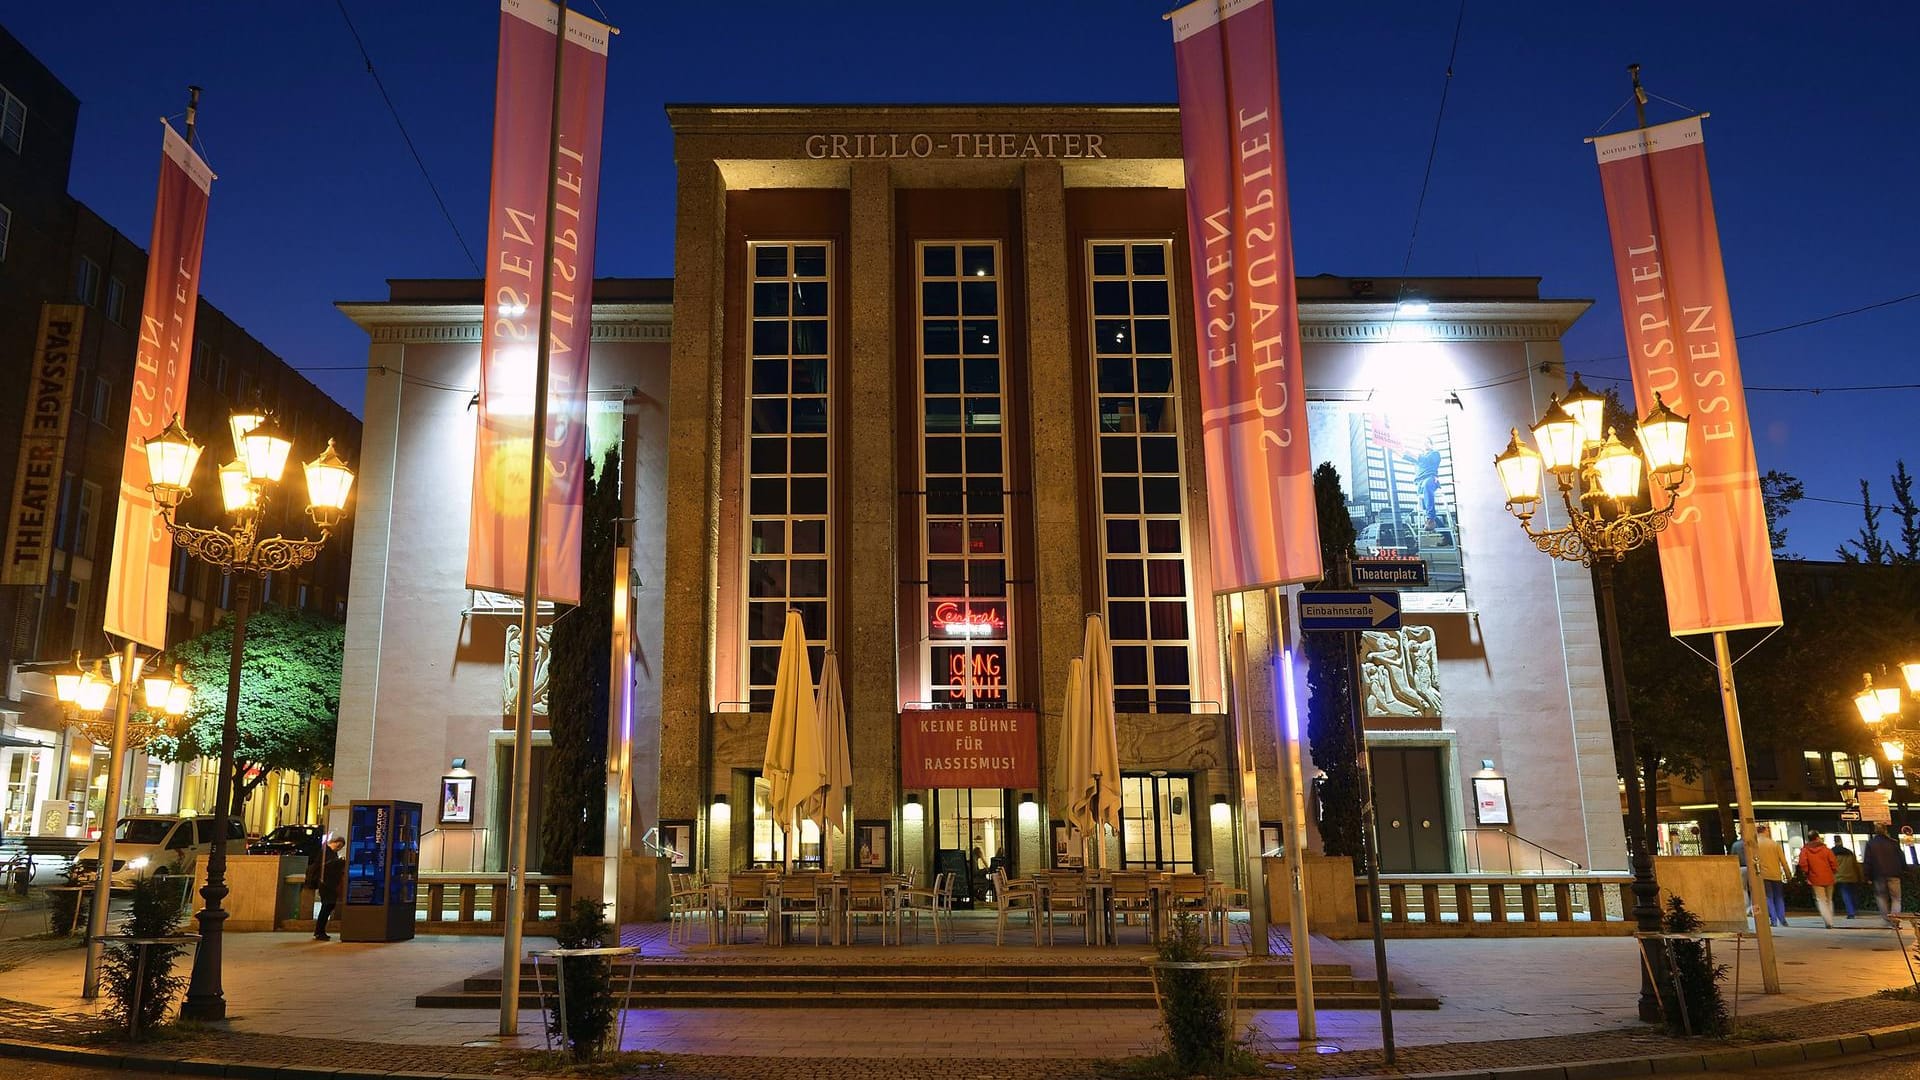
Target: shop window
x,y
1156,822
1396,466
965,520
1139,455
789,489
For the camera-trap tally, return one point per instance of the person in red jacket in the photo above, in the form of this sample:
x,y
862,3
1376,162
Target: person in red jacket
x,y
1820,867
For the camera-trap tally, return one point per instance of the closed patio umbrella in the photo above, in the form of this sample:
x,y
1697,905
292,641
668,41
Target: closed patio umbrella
x,y
1100,794
1072,776
827,806
793,765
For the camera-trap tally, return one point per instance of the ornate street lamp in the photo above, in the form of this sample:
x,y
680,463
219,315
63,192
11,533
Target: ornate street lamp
x,y
1600,480
261,451
1882,709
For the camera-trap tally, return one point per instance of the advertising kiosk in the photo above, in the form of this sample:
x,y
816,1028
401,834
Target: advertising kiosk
x,y
383,871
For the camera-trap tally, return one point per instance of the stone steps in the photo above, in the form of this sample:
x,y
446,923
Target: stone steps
x,y
905,984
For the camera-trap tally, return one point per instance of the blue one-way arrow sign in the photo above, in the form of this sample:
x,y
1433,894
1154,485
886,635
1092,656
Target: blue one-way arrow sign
x,y
1370,610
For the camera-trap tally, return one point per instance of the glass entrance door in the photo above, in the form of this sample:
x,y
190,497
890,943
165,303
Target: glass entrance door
x,y
972,834
1156,823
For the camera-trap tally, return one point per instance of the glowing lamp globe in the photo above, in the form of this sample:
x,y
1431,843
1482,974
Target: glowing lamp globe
x,y
241,422
66,684
1868,703
1618,469
94,691
1912,673
159,687
1895,750
1663,437
236,487
328,482
1588,408
1558,434
171,458
1889,700
264,451
1520,468
179,698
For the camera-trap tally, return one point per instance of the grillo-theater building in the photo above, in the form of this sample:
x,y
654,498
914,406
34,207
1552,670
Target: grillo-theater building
x,y
925,375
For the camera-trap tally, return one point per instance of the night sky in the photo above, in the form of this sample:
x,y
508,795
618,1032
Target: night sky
x,y
1812,146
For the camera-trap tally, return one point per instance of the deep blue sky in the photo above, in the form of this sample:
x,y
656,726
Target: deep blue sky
x,y
1812,144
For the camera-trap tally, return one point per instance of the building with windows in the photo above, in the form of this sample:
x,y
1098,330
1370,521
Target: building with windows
x,y
58,256
927,378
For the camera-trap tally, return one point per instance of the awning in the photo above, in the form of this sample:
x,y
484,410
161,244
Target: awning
x,y
13,741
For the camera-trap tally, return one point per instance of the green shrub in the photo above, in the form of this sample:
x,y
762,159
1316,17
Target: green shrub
x,y
1699,979
157,910
1193,1007
590,1010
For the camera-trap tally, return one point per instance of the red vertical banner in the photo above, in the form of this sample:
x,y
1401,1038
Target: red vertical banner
x,y
1716,556
137,574
516,244
1252,389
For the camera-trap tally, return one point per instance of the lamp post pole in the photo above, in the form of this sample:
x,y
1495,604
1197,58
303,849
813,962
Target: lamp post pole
x,y
206,1000
244,483
110,822
1646,890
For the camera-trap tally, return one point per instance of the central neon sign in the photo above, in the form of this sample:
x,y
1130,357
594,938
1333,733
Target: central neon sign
x,y
957,620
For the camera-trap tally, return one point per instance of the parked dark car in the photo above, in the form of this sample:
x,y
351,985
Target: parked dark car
x,y
289,840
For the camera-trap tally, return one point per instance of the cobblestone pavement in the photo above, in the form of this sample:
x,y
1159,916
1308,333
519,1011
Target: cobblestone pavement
x,y
1504,1002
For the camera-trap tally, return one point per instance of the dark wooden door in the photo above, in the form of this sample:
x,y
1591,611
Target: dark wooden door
x,y
1410,809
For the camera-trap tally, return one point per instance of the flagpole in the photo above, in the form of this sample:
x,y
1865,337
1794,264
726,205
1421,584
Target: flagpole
x,y
1293,793
530,598
1730,709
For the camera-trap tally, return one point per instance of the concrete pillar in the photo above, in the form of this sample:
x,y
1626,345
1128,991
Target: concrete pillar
x,y
693,457
1062,600
870,581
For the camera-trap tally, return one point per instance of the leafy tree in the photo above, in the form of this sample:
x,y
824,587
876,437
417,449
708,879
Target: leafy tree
x,y
1778,492
1909,513
1867,547
573,813
289,696
1329,684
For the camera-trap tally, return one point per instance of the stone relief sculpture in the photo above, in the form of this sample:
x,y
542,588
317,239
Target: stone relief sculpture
x,y
542,644
1402,669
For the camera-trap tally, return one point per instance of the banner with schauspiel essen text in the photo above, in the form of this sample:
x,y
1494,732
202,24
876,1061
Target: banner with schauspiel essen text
x,y
1716,556
43,446
1263,525
516,245
142,550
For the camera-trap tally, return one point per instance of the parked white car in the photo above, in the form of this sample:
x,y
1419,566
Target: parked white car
x,y
146,843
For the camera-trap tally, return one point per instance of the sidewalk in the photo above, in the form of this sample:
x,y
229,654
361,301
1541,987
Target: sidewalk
x,y
292,999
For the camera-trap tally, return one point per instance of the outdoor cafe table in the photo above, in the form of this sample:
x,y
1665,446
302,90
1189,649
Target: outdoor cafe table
x,y
1098,896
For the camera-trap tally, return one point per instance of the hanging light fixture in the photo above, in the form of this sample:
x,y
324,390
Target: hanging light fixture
x,y
1558,434
1520,469
1618,469
328,482
1663,438
1588,409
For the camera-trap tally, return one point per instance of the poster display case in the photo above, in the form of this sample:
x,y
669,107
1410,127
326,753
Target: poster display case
x,y
383,871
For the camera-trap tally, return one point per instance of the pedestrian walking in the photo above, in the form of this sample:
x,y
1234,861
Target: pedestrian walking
x,y
1884,863
327,876
1818,864
1846,874
1770,860
1739,850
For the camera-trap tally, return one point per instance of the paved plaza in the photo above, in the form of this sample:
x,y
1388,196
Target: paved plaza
x,y
290,985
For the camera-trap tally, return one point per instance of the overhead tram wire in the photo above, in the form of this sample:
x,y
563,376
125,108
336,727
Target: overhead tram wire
x,y
411,148
1433,152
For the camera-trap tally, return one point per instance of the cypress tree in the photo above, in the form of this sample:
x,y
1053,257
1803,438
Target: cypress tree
x,y
1329,705
573,814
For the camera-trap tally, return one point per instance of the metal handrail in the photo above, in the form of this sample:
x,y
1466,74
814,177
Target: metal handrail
x,y
1511,838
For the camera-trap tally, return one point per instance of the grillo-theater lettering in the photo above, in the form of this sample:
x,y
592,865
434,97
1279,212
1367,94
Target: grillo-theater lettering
x,y
959,144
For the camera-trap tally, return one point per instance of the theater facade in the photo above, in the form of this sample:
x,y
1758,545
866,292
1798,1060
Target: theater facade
x,y
926,376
